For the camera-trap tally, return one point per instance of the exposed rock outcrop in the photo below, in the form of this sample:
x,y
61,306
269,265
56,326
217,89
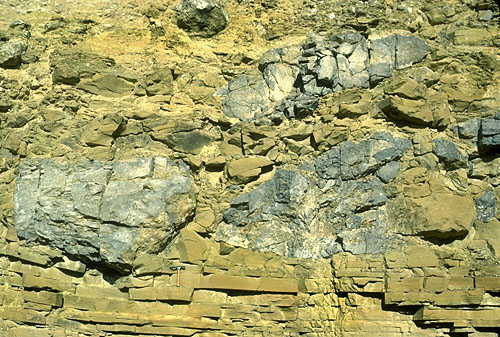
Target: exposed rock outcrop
x,y
293,78
333,204
249,168
103,212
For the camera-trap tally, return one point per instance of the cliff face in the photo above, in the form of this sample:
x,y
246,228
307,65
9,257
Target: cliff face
x,y
249,168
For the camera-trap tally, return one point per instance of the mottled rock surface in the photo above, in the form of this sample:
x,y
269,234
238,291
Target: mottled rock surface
x,y
202,17
103,212
333,204
350,145
293,78
489,134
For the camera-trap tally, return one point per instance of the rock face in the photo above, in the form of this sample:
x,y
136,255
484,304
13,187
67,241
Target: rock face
x,y
489,134
306,168
202,17
11,53
103,212
333,204
292,78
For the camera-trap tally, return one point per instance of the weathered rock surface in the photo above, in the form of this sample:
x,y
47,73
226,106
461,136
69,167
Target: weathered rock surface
x,y
11,52
430,216
489,134
14,44
103,212
338,137
292,80
202,17
334,204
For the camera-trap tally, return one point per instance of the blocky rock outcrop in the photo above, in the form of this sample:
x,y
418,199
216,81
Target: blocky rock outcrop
x,y
103,212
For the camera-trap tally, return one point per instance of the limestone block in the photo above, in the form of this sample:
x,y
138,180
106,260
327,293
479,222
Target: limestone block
x,y
395,259
246,169
489,283
209,296
79,302
96,291
284,315
460,282
38,282
44,297
190,247
435,271
22,315
413,111
22,268
434,220
474,36
421,256
187,310
459,297
107,317
123,328
405,284
169,331
435,284
23,331
143,294
128,282
32,257
185,321
175,293
249,283
70,265
487,317
356,272
107,85
145,264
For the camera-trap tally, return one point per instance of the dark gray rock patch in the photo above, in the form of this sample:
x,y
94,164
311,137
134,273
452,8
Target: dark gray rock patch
x,y
201,17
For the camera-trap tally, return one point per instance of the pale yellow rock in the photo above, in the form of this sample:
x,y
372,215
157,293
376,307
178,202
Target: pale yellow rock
x,y
245,169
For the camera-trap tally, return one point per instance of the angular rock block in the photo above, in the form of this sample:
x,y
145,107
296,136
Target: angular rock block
x,y
11,53
489,134
101,211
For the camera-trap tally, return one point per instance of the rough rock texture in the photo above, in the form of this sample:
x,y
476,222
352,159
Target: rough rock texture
x,y
331,168
103,212
331,205
489,134
292,78
202,17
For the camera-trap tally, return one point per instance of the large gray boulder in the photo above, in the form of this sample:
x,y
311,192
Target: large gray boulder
x,y
103,212
201,17
333,204
394,52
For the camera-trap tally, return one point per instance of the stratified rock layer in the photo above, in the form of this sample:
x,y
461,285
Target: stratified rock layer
x,y
249,168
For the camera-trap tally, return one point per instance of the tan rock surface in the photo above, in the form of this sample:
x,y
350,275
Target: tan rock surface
x,y
116,81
